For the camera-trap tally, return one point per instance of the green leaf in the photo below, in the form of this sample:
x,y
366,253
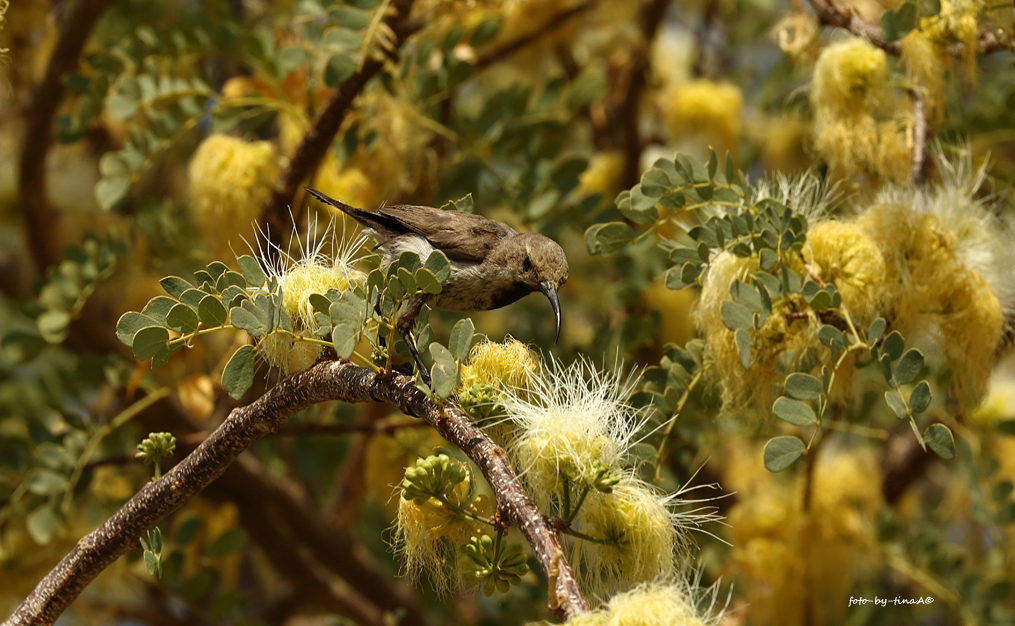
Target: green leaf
x,y
608,238
486,31
175,286
876,331
53,325
894,401
427,281
886,369
42,523
794,412
343,336
767,257
920,399
893,345
461,339
349,18
747,295
245,320
781,452
909,366
713,163
674,280
443,379
338,70
111,191
152,564
743,347
832,337
150,342
585,90
211,311
252,271
820,301
230,542
730,170
736,316
238,375
182,318
230,279
804,386
157,309
940,440
43,482
439,265
290,58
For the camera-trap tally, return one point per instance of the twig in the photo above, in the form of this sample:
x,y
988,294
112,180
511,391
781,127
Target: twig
x,y
831,15
325,381
314,145
549,26
41,222
918,168
903,462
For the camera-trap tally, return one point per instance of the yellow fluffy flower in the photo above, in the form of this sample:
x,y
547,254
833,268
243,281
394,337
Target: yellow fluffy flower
x,y
713,110
230,180
843,254
848,78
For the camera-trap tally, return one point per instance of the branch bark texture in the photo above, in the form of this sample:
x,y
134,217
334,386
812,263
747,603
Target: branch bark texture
x,y
326,381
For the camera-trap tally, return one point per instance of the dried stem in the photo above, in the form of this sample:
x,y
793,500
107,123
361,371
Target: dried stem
x,y
41,221
325,381
918,168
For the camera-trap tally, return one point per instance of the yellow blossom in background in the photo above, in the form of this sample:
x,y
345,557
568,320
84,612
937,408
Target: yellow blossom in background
x,y
707,109
843,254
848,78
230,180
785,142
939,302
956,22
602,176
797,34
388,455
350,185
789,550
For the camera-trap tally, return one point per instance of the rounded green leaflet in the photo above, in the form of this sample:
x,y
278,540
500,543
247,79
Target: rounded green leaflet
x,y
940,440
150,342
743,340
211,311
238,375
920,399
794,412
781,452
735,315
909,366
804,386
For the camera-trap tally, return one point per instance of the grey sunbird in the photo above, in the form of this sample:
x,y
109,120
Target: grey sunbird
x,y
492,264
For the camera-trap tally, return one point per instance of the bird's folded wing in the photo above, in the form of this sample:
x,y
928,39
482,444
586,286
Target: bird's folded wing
x,y
461,236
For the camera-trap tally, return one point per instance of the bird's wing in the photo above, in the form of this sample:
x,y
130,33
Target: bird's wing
x,y
461,236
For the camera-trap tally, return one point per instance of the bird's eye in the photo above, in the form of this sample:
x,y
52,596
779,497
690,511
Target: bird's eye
x,y
527,264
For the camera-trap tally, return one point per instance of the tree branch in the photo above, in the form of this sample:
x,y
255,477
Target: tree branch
x,y
548,27
314,145
41,222
831,15
325,381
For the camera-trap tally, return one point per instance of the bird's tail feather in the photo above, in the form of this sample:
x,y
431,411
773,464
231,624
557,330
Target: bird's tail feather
x,y
365,218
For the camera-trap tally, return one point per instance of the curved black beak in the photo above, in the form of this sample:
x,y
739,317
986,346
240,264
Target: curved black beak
x,y
550,291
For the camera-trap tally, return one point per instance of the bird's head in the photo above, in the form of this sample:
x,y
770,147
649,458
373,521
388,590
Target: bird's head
x,y
540,263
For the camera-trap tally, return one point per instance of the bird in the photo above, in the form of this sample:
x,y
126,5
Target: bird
x,y
492,264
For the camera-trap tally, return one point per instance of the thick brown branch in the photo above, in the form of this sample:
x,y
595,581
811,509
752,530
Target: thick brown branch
x,y
325,381
41,224
552,24
314,145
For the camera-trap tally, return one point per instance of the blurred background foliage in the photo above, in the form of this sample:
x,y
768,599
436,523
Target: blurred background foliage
x,y
172,127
